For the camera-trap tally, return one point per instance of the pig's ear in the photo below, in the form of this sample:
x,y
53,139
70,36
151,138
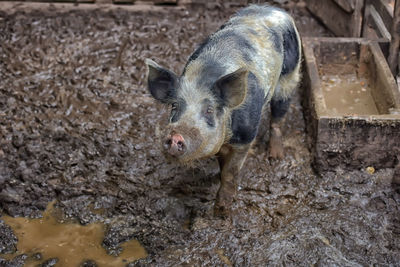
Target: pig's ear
x,y
161,82
232,88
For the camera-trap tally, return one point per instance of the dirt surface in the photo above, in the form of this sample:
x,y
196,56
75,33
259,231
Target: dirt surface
x,y
77,126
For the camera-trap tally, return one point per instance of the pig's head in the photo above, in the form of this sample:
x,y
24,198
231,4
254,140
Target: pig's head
x,y
200,115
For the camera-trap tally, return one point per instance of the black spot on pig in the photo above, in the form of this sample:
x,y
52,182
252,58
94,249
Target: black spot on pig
x,y
237,43
291,52
279,107
240,43
246,119
210,72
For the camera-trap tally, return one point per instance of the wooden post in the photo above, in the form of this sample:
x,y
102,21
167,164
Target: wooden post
x,y
342,17
393,58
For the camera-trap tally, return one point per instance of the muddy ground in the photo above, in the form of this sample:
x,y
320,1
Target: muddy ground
x,y
77,126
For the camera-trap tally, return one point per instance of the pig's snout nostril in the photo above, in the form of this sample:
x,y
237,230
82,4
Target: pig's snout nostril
x,y
175,145
180,145
167,144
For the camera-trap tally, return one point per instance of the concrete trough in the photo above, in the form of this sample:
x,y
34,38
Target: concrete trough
x,y
352,104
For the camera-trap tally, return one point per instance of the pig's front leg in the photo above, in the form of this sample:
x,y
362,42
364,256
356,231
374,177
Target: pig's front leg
x,y
231,159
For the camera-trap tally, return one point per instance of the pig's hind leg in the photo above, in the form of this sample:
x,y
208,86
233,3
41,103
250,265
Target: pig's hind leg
x,y
280,103
279,107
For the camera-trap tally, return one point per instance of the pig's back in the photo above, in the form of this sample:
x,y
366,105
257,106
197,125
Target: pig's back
x,y
275,39
255,39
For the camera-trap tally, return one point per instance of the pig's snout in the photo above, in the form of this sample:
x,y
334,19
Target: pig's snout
x,y
175,145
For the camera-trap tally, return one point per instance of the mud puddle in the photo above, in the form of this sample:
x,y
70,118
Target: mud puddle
x,y
348,95
67,244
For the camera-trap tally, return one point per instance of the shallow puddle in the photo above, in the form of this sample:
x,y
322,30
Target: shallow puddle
x,y
70,243
348,95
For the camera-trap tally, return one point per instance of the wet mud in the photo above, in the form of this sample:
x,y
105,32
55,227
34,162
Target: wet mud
x,y
77,127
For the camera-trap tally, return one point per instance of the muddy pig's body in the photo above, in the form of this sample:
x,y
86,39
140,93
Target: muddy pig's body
x,y
252,61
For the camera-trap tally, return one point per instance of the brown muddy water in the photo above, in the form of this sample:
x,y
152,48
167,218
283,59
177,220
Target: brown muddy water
x,y
348,95
77,126
50,237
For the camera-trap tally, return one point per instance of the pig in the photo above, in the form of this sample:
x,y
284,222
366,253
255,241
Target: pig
x,y
249,66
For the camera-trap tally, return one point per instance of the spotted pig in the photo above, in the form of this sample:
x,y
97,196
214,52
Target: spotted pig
x,y
252,62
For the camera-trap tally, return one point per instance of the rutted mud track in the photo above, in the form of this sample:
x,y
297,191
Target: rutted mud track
x,y
77,125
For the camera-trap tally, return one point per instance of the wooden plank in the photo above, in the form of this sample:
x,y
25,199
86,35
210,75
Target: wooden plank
x,y
338,19
328,12
377,23
393,59
165,2
357,18
347,5
384,10
85,1
383,80
11,8
123,1
61,1
156,2
103,1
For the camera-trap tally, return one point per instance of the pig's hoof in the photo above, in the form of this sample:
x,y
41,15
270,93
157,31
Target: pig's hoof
x,y
221,210
275,144
275,151
222,206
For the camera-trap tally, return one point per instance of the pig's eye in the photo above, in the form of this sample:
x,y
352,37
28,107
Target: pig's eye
x,y
174,112
209,110
209,116
174,106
